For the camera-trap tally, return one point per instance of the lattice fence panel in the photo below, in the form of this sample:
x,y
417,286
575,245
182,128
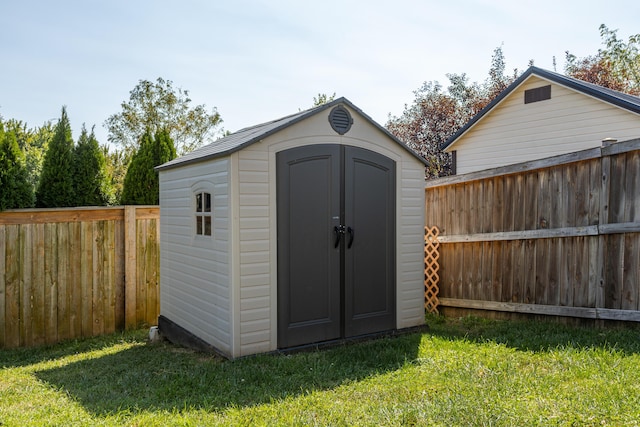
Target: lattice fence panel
x,y
431,267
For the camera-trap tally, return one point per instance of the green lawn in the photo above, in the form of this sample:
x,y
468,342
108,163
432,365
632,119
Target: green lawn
x,y
460,372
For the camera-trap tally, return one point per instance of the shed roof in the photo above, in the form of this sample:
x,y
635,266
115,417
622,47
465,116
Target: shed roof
x,y
247,136
619,99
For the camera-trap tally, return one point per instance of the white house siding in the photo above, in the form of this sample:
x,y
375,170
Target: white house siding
x,y
257,232
195,270
515,132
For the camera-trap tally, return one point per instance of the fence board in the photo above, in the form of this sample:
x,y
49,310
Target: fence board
x,y
12,286
75,289
108,262
529,292
630,277
86,277
98,278
37,284
3,282
62,272
64,257
24,237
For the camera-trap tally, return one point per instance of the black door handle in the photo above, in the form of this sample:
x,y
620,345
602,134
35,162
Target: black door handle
x,y
339,230
352,234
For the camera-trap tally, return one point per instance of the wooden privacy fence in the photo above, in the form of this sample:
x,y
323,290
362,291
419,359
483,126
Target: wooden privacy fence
x,y
558,236
77,272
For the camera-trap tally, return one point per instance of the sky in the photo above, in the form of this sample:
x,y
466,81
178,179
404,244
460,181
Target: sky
x,y
256,61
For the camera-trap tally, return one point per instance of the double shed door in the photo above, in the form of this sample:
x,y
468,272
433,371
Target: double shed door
x,y
336,243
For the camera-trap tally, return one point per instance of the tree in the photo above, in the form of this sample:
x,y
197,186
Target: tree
x,y
617,66
117,162
91,182
156,106
322,99
33,143
141,184
15,190
55,188
436,114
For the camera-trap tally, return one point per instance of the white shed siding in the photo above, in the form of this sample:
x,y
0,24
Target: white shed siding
x,y
410,244
255,263
195,270
258,235
515,132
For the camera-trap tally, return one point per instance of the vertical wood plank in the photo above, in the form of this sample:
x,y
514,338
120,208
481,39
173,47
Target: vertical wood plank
x,y
108,262
119,274
557,198
617,193
153,306
596,183
519,202
529,291
613,270
38,319
508,247
630,269
130,266
141,266
12,286
602,255
488,206
496,272
555,251
569,191
498,198
582,193
582,275
519,271
566,273
51,282
468,273
75,286
487,266
531,201
26,297
86,278
446,271
3,285
64,259
632,187
542,270
98,278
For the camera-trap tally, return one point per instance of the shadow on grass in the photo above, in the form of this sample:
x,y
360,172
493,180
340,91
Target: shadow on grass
x,y
18,357
165,377
538,335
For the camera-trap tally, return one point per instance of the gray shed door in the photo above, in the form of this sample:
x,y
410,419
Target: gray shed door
x,y
336,243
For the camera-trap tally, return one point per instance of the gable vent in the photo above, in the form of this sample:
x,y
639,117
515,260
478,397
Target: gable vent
x,y
340,120
537,94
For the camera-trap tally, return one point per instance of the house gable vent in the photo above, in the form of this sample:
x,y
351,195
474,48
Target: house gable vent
x,y
340,119
537,94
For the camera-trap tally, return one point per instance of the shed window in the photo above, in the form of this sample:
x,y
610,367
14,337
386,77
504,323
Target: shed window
x,y
203,214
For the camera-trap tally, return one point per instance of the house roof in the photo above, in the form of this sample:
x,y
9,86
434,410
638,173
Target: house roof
x,y
250,135
619,99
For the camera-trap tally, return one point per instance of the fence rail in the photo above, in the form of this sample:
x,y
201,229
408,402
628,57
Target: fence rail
x,y
77,272
557,236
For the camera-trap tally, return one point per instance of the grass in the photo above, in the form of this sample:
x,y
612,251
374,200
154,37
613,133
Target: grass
x,y
460,372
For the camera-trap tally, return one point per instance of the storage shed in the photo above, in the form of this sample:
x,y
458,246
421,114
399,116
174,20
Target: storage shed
x,y
302,230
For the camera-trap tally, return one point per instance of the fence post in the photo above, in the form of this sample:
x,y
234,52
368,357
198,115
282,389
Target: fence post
x,y
130,279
